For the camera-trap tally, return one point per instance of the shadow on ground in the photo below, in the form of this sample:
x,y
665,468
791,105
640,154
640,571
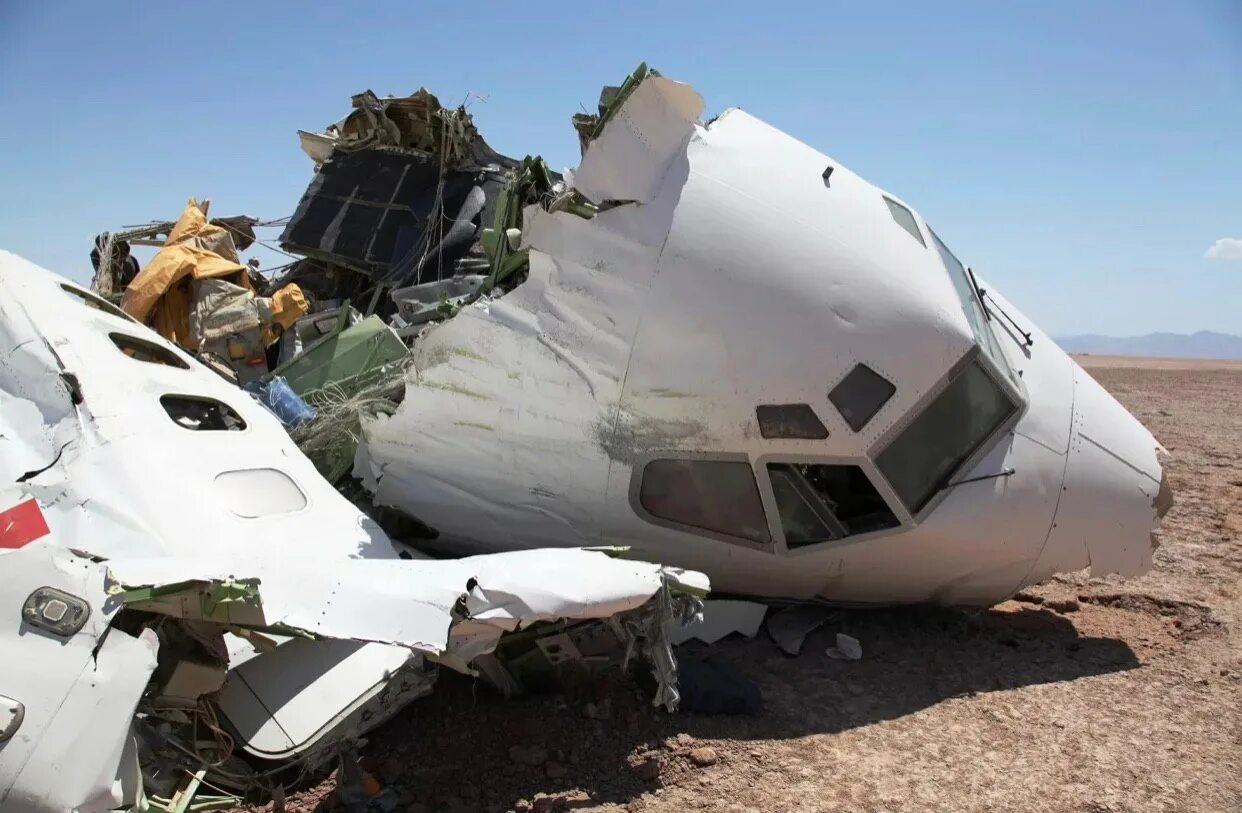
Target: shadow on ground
x,y
454,753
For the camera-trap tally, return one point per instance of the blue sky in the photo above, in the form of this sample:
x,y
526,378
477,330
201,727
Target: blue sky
x,y
1084,156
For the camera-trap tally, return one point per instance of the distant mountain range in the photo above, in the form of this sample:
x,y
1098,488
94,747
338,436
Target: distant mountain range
x,y
1202,345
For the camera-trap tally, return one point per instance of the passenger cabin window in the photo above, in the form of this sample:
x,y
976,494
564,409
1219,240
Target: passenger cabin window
x,y
820,503
98,303
143,350
860,395
202,414
714,495
905,219
920,461
796,421
973,307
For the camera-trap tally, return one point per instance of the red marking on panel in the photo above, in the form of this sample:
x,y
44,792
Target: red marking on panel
x,y
22,524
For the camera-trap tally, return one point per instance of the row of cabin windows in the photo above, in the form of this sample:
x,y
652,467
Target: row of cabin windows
x,y
193,412
248,493
815,502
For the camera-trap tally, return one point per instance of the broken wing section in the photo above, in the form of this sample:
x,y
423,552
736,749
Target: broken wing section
x,y
450,610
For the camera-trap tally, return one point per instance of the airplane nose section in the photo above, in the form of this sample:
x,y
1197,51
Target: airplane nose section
x,y
1114,491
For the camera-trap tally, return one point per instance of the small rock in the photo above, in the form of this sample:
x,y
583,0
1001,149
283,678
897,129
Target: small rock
x,y
678,742
1062,605
555,770
523,806
531,755
704,756
547,803
648,768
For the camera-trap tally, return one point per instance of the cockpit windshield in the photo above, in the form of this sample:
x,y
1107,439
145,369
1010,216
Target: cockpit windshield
x,y
974,308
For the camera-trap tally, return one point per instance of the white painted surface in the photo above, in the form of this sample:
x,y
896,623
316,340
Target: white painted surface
x,y
70,751
740,279
117,478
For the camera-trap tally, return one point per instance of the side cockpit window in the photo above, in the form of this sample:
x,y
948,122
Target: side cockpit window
x,y
824,502
720,496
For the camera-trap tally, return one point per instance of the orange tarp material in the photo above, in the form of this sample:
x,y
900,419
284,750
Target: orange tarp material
x,y
288,305
195,249
160,295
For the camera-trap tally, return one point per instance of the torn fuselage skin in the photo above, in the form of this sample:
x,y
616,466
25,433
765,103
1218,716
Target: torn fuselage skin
x,y
175,568
612,397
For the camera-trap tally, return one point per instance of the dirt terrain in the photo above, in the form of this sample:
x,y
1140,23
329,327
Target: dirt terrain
x,y
1082,695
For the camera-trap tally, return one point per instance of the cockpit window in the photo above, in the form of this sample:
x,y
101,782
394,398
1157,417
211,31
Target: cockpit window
x,y
821,502
975,313
920,460
860,395
714,495
905,219
797,421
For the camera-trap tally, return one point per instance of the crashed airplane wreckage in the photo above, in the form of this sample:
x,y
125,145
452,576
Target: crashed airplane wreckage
x,y
185,588
721,347
708,343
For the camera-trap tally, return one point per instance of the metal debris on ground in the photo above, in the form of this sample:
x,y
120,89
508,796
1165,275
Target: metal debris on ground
x,y
847,649
789,626
721,617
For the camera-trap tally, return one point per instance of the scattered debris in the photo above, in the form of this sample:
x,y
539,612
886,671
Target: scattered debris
x,y
847,648
195,292
721,617
789,626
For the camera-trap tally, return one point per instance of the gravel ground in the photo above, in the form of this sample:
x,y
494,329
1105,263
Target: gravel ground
x,y
1082,695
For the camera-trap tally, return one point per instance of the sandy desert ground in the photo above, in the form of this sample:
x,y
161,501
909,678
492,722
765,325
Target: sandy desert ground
x,y
1085,694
